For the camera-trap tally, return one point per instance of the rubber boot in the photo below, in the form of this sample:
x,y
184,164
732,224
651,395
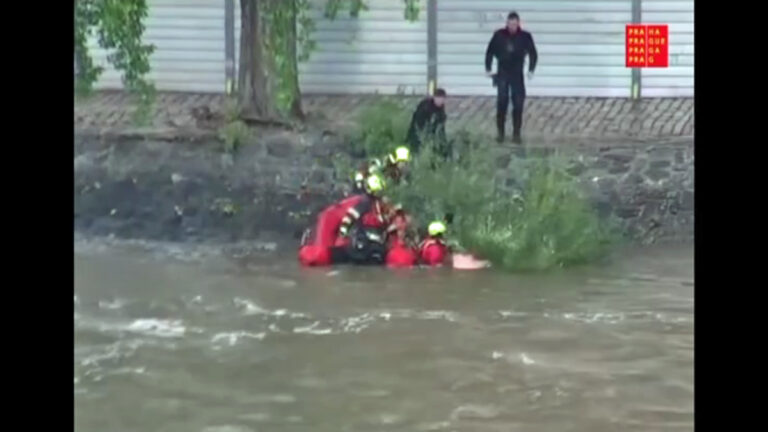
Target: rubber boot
x,y
517,121
500,120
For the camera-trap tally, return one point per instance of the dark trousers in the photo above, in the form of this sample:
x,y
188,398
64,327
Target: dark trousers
x,y
506,90
435,133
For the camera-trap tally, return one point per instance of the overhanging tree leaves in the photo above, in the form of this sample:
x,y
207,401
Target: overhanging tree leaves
x,y
275,37
119,27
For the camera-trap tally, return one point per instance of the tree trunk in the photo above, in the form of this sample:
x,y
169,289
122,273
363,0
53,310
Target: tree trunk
x,y
296,109
255,86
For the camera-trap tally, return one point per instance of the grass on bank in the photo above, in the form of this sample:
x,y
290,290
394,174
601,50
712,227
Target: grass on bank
x,y
381,127
542,221
234,132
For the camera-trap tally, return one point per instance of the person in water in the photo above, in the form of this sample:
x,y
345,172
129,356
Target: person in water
x,y
351,230
399,251
392,167
433,251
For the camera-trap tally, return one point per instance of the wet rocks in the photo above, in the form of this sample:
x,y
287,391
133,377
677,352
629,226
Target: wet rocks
x,y
618,168
656,175
280,146
686,201
647,189
660,164
625,212
319,177
620,156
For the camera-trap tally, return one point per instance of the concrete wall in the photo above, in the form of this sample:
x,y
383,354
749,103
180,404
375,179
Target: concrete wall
x,y
580,42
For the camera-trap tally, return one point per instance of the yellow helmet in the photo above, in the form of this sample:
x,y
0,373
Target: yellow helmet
x,y
401,154
436,228
374,183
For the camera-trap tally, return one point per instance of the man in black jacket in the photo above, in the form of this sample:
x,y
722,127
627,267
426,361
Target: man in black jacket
x,y
509,46
429,120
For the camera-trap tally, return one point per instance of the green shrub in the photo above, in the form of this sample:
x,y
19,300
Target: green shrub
x,y
234,132
381,127
231,110
233,135
544,222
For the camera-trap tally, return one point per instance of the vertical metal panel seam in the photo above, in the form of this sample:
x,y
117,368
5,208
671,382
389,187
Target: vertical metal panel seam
x,y
636,92
229,46
431,46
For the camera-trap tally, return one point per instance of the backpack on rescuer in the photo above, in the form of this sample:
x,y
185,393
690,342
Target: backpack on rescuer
x,y
364,225
366,245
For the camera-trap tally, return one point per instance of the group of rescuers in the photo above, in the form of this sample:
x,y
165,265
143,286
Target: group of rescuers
x,y
365,227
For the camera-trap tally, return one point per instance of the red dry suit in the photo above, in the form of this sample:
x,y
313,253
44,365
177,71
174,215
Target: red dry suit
x,y
399,254
433,251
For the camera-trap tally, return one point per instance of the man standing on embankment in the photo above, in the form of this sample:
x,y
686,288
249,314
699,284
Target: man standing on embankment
x,y
509,46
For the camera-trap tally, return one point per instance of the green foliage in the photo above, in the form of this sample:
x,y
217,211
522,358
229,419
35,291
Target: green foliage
x,y
289,37
544,222
412,8
233,135
119,27
381,127
333,7
306,25
231,110
235,132
354,7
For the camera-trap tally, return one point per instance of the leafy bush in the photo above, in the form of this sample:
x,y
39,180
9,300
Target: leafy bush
x,y
544,222
381,127
234,132
233,135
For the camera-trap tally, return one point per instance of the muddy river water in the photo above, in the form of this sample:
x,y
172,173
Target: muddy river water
x,y
168,340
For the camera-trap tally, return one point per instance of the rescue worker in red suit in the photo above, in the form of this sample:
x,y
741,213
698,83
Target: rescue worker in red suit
x,y
399,251
352,230
433,251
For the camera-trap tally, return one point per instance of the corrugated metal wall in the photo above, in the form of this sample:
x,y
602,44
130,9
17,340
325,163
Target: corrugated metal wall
x,y
379,51
677,80
580,44
189,47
